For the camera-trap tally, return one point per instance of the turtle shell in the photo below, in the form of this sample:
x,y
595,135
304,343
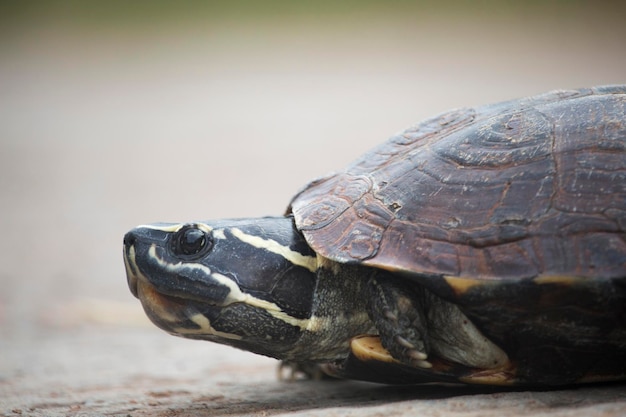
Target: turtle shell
x,y
523,188
514,211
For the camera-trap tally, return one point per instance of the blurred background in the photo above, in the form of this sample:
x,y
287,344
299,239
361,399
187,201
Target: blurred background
x,y
115,113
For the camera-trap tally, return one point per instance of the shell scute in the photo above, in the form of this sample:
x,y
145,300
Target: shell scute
x,y
415,137
500,141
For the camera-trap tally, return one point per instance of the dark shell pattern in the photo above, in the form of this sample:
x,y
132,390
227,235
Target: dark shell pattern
x,y
508,191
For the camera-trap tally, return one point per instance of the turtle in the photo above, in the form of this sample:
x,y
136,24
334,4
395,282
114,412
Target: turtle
x,y
485,245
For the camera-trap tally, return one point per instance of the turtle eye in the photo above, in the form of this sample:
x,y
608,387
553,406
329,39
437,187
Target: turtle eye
x,y
191,241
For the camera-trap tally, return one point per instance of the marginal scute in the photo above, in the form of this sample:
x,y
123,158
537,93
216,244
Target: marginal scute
x,y
461,285
334,194
558,279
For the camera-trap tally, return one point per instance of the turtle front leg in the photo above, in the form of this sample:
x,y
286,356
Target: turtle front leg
x,y
413,323
398,313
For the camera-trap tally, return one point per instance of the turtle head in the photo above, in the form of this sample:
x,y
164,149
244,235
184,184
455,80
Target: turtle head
x,y
245,283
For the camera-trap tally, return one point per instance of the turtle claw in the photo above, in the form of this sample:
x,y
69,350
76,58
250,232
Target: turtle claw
x,y
418,359
400,322
417,355
423,364
405,343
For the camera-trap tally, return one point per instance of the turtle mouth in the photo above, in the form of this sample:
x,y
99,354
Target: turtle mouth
x,y
172,314
180,316
161,306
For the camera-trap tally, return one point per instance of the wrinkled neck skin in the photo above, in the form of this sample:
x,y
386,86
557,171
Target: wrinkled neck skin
x,y
339,313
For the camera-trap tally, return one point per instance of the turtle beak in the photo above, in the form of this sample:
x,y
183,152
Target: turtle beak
x,y
129,262
138,238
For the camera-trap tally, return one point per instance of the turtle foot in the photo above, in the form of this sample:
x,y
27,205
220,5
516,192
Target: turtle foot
x,y
293,371
400,321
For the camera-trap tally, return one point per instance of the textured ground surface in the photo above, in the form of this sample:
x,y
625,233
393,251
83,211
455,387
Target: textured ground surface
x,y
109,124
138,372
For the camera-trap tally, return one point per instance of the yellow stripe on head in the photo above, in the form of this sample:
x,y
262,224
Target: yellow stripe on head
x,y
296,258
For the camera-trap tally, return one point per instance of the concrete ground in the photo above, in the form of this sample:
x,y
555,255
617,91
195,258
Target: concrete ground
x,y
108,123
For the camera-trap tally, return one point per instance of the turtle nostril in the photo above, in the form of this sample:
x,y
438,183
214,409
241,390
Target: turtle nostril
x,y
129,239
